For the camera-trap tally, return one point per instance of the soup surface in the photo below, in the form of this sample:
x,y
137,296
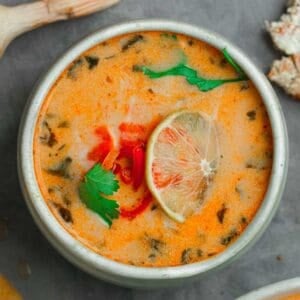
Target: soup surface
x,y
7,291
290,297
103,105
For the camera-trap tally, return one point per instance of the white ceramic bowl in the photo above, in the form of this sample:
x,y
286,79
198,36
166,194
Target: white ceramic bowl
x,y
133,276
275,291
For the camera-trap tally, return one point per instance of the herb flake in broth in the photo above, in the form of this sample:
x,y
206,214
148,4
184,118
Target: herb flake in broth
x,y
61,169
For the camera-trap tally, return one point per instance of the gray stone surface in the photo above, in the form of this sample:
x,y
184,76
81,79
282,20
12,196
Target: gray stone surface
x,y
53,277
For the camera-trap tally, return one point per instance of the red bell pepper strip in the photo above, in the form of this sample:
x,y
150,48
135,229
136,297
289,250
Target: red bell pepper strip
x,y
138,166
116,168
126,175
99,152
132,132
126,148
131,136
131,213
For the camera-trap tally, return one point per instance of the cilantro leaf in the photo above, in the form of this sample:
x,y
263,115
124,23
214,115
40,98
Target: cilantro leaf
x,y
102,180
233,63
192,76
97,182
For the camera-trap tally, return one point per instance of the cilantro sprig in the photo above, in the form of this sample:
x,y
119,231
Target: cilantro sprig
x,y
192,76
234,64
96,185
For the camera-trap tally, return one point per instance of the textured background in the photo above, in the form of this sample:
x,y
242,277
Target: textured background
x,y
275,257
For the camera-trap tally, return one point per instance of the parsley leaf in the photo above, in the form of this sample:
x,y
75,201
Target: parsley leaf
x,y
192,76
97,182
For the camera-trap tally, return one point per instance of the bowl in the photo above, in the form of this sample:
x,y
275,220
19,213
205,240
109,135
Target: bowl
x,y
275,291
133,276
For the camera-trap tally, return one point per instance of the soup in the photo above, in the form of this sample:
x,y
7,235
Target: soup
x,y
290,297
101,112
7,291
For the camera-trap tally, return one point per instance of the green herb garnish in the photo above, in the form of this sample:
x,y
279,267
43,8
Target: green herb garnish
x,y
97,183
62,169
186,256
251,115
226,240
72,70
169,35
135,39
233,63
92,61
192,76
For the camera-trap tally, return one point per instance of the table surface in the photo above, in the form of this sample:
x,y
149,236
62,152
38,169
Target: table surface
x,y
274,257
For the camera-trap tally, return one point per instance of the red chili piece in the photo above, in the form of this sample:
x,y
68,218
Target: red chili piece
x,y
126,149
138,209
116,169
126,175
132,135
138,166
99,152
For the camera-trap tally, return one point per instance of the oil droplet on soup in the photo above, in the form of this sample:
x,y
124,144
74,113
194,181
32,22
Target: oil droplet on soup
x,y
103,101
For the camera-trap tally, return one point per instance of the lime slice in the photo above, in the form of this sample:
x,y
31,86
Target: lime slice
x,y
181,159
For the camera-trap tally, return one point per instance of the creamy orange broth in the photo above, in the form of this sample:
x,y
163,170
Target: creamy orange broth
x,y
112,93
290,297
7,290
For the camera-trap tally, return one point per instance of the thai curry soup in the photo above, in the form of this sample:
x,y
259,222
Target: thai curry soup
x,y
290,297
91,138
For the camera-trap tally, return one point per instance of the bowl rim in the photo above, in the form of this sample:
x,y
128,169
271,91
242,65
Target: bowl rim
x,y
277,289
96,264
